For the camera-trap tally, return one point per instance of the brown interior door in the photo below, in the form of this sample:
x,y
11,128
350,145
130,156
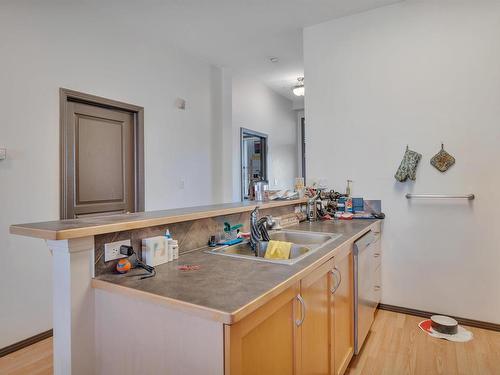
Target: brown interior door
x,y
100,160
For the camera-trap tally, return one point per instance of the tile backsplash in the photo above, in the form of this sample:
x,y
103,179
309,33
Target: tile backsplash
x,y
191,235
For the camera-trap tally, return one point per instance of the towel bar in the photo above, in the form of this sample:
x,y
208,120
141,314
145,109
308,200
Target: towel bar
x,y
441,196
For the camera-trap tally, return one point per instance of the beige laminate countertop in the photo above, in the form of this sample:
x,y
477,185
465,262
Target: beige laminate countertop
x,y
227,289
90,226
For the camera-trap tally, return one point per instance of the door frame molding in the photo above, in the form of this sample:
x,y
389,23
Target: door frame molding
x,y
264,152
66,95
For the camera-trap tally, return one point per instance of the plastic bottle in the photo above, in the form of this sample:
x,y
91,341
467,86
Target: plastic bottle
x,y
348,200
174,246
168,247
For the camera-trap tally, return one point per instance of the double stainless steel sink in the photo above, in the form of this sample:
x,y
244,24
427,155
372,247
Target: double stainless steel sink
x,y
304,243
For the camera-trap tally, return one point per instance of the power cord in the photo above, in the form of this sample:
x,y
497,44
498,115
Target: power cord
x,y
136,262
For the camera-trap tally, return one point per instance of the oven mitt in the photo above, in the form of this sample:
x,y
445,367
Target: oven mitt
x,y
408,167
442,161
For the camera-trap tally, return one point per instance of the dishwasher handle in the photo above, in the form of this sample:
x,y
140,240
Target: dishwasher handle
x,y
364,242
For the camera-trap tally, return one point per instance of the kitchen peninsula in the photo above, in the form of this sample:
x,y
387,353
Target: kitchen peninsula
x,y
230,316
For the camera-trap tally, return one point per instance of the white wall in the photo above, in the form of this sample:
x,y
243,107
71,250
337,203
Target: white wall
x,y
416,73
257,107
44,48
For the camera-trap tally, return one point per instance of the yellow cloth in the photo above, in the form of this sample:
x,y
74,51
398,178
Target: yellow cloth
x,y
278,250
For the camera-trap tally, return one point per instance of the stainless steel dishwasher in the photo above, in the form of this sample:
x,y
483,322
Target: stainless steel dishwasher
x,y
367,288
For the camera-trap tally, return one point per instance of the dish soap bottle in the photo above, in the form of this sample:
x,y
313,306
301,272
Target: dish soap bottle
x,y
168,247
348,200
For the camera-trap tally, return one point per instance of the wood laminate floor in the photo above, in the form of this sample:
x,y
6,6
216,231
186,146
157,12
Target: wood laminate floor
x,y
395,346
35,359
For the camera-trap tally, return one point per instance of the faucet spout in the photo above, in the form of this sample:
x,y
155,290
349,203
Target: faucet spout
x,y
262,225
312,209
258,230
254,230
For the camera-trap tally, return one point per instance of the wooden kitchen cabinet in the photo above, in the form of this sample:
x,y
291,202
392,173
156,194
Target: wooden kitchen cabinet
x,y
265,342
314,331
342,317
307,329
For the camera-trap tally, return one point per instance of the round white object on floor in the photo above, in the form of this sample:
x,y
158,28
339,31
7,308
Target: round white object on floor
x,y
462,335
444,324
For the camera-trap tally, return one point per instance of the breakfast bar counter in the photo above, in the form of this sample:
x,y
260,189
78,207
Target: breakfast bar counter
x,y
227,289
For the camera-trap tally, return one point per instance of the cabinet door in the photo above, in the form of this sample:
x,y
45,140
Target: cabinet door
x,y
343,310
315,328
265,342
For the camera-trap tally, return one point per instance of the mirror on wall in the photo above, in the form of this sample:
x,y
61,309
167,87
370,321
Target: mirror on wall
x,y
253,160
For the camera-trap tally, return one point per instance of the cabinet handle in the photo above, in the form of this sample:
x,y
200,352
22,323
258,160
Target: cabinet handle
x,y
298,322
376,288
376,255
338,280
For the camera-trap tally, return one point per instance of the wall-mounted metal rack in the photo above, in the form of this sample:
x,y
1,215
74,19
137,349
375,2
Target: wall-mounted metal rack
x,y
440,196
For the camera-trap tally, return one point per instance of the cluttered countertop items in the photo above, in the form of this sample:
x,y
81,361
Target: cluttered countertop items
x,y
226,288
201,281
257,262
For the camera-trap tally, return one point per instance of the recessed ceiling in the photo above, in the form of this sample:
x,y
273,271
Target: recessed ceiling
x,y
239,34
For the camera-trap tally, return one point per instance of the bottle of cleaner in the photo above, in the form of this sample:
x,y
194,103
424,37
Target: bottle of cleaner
x,y
174,246
348,200
168,247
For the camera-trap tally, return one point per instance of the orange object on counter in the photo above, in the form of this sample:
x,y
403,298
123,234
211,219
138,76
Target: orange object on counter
x,y
123,265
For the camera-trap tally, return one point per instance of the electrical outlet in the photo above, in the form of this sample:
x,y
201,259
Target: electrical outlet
x,y
3,153
112,250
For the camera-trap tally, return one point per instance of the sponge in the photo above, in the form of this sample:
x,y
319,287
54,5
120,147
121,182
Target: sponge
x,y
278,250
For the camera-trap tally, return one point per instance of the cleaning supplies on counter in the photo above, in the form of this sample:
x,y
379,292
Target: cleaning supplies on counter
x,y
231,232
172,246
168,238
231,235
348,205
348,188
278,250
348,200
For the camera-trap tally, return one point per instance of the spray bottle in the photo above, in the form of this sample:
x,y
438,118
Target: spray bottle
x,y
348,200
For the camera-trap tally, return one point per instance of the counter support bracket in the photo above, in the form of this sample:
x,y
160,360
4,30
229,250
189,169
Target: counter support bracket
x,y
73,305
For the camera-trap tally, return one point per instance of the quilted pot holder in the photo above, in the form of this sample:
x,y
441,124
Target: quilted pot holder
x,y
442,161
408,167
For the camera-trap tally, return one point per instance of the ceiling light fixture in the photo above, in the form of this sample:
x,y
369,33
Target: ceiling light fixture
x,y
298,89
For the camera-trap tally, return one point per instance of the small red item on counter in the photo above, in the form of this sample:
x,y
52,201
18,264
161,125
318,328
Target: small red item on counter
x,y
346,216
188,267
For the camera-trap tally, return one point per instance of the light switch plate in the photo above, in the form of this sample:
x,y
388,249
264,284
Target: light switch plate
x,y
3,153
112,250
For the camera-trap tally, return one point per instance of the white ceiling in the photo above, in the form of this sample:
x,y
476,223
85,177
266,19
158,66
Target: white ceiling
x,y
244,34
238,34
